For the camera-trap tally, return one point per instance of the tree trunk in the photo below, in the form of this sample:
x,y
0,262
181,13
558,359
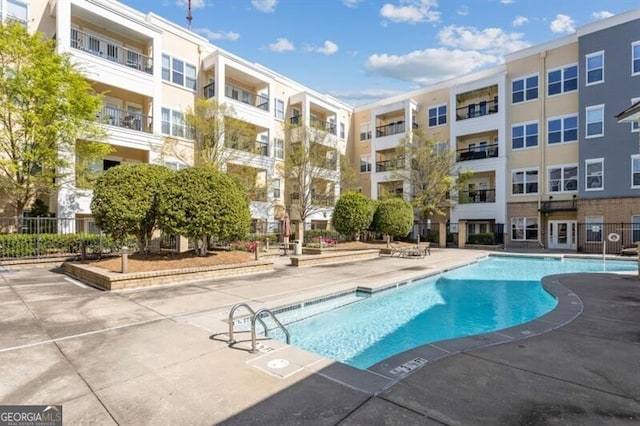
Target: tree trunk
x,y
202,248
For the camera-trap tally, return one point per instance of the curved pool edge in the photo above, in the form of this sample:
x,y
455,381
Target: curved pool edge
x,y
569,307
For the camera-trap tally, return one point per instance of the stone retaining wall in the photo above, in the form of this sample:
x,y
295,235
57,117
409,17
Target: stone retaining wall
x,y
334,257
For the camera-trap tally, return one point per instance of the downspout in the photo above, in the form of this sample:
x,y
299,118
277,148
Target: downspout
x,y
542,140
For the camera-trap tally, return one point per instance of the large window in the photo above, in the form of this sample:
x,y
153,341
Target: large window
x,y
437,115
594,174
342,132
365,163
594,126
276,188
524,181
278,109
562,80
173,124
179,72
278,148
593,227
524,228
595,68
524,89
635,58
17,11
365,131
635,171
563,178
524,135
562,129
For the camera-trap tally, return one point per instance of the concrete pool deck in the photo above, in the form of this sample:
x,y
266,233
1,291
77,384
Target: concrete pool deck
x,y
158,356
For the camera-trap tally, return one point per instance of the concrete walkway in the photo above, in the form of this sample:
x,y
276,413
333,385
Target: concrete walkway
x,y
158,356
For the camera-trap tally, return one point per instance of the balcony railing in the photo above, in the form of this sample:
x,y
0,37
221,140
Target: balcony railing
x,y
246,96
365,136
477,109
390,129
106,49
258,194
559,206
324,200
125,119
323,125
479,196
477,152
257,147
329,164
209,91
387,165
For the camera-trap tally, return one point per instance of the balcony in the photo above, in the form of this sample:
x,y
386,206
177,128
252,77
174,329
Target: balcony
x,y
325,200
258,194
257,147
559,206
209,91
247,97
388,165
390,129
109,51
478,109
125,119
477,153
479,196
316,123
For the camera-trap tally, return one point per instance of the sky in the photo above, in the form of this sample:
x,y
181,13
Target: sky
x,y
360,51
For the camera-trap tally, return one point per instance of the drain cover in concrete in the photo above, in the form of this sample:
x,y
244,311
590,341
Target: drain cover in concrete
x,y
278,363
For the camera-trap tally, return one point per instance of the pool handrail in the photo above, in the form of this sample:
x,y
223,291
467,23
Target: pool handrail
x,y
233,310
255,317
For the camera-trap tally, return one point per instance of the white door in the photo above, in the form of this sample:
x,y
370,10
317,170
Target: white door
x,y
562,234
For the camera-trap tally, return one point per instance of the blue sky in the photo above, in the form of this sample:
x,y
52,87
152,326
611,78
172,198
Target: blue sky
x,y
362,50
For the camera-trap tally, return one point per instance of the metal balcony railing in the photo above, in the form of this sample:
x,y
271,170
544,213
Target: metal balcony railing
x,y
257,147
125,119
392,164
478,109
323,125
390,129
209,91
106,49
477,152
316,199
247,97
479,196
559,205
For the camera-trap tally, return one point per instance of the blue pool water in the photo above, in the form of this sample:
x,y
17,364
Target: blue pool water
x,y
493,294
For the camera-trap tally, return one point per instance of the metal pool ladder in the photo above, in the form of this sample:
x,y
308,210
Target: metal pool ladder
x,y
255,316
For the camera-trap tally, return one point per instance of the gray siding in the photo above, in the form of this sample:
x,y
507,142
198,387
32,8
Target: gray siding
x,y
619,87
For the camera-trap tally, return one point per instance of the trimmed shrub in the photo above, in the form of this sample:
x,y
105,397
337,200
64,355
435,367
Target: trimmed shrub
x,y
485,239
353,213
394,217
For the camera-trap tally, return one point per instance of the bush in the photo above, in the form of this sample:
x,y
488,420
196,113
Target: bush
x,y
40,245
315,234
262,237
485,239
394,217
353,213
249,246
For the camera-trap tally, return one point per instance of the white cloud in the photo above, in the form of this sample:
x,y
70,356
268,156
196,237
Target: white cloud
x,y
217,35
328,48
364,96
463,10
562,24
520,21
491,40
601,14
266,6
351,3
429,66
195,4
507,1
282,45
411,11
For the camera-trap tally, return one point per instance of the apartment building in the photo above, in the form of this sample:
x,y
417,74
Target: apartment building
x,y
151,71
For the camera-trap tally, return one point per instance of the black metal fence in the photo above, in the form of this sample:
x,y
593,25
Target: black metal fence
x,y
592,237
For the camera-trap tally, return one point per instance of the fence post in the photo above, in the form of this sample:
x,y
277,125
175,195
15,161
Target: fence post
x,y
38,236
125,260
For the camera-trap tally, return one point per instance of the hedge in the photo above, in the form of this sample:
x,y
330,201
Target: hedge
x,y
38,245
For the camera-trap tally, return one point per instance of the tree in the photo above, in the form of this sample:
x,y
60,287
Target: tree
x,y
432,173
199,202
125,201
393,217
311,168
353,213
46,105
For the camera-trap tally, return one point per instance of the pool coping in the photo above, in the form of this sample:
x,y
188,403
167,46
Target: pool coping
x,y
388,372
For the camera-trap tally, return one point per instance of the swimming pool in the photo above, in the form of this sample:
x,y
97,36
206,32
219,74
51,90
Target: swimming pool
x,y
490,295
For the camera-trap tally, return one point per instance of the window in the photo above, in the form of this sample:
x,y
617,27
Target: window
x,y
17,11
594,174
365,163
635,58
437,116
341,130
279,109
634,124
594,125
562,129
365,131
174,164
635,226
635,171
524,89
595,68
562,80
563,178
593,228
179,72
524,181
524,228
276,188
173,124
278,148
524,135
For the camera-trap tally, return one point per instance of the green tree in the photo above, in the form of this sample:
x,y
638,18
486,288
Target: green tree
x,y
353,213
200,202
46,105
125,201
432,172
393,217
